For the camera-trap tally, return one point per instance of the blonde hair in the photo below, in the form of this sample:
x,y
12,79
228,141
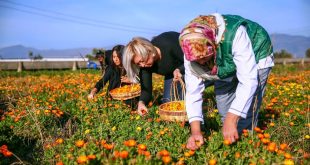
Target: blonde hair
x,y
137,46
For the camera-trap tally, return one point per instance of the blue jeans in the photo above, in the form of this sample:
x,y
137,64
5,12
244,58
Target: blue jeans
x,y
168,91
225,92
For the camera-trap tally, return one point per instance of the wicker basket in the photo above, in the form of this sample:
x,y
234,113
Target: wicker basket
x,y
175,109
126,92
170,114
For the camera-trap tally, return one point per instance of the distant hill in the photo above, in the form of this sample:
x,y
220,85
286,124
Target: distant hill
x,y
22,52
296,45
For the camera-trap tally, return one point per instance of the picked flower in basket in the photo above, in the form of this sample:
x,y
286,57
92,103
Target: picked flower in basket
x,y
175,109
126,92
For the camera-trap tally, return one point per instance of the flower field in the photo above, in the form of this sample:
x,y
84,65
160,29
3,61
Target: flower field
x,y
46,118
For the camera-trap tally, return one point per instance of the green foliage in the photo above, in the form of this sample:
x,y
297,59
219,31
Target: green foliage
x,y
45,106
91,57
283,54
95,53
34,57
98,51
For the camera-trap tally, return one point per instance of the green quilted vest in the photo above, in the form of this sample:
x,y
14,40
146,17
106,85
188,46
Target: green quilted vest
x,y
260,40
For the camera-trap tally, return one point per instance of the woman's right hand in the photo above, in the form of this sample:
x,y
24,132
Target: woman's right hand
x,y
142,110
92,93
90,96
177,76
194,141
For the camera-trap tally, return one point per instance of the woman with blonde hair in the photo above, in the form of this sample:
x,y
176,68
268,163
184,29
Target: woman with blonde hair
x,y
162,55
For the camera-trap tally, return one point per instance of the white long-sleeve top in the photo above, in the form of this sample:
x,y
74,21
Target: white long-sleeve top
x,y
246,72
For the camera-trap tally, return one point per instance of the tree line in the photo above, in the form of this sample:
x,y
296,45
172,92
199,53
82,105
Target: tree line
x,y
99,51
284,54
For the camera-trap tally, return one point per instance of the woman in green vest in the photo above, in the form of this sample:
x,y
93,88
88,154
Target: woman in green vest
x,y
234,54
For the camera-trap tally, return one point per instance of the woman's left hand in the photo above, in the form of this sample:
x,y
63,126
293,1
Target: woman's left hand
x,y
142,110
229,129
125,79
177,75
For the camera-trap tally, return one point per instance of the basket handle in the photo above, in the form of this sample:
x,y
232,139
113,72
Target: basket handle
x,y
175,92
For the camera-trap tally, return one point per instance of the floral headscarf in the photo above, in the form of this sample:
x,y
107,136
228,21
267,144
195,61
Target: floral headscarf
x,y
197,39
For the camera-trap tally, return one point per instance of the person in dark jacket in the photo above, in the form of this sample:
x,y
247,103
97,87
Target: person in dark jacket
x,y
100,55
162,55
114,74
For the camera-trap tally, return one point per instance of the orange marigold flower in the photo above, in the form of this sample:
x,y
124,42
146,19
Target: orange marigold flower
x,y
166,159
212,162
59,141
164,153
82,159
79,143
130,143
91,157
142,147
124,154
227,142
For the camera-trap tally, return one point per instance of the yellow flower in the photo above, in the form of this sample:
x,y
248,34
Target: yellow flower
x,y
113,128
288,162
87,131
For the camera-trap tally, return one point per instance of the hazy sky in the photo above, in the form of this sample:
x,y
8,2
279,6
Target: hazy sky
x,y
61,24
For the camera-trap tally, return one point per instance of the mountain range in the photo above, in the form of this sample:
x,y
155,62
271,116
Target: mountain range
x,y
22,52
296,45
